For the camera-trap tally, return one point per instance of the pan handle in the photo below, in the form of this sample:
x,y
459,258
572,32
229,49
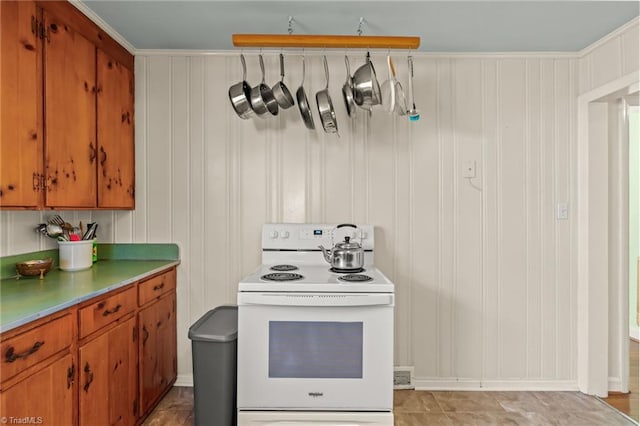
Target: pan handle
x,y
261,66
244,67
303,72
281,67
326,72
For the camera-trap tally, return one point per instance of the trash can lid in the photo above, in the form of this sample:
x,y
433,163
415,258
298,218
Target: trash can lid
x,y
217,325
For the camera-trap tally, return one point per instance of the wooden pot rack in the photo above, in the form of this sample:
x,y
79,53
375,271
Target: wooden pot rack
x,y
326,41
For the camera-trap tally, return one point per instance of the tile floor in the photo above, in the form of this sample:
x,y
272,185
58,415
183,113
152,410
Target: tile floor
x,y
420,408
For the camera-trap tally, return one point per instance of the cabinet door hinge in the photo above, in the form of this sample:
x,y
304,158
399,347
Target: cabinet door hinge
x,y
34,26
43,31
43,183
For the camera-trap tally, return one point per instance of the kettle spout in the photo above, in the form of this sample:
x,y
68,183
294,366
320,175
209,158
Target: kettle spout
x,y
326,253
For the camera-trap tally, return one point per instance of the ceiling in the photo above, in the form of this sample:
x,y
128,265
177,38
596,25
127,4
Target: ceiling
x,y
444,26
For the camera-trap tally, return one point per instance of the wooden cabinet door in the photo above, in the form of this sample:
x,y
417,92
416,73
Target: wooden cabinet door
x,y
70,117
20,135
107,371
45,397
116,178
157,349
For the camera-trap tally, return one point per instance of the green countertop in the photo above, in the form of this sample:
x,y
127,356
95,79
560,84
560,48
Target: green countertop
x,y
29,298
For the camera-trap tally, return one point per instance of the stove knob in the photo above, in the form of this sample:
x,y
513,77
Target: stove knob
x,y
284,234
273,234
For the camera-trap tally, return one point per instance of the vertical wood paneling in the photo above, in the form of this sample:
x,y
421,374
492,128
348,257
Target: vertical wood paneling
x,y
467,125
425,216
482,276
159,165
533,221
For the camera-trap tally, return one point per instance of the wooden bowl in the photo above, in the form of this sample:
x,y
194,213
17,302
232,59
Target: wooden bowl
x,y
30,268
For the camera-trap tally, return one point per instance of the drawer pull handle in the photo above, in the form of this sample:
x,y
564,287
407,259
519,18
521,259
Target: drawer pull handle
x,y
89,379
71,372
112,311
158,287
11,356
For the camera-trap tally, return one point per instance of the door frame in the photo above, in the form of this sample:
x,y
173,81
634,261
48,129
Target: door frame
x,y
595,272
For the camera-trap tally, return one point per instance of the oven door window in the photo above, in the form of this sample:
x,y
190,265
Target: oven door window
x,y
315,350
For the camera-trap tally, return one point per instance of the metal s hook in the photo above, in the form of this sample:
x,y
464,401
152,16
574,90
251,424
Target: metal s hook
x,y
359,31
290,29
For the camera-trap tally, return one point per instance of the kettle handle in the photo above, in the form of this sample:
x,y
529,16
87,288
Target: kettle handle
x,y
346,224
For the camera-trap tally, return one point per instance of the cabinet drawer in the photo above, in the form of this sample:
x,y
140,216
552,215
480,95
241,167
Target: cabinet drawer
x,y
27,349
156,286
106,310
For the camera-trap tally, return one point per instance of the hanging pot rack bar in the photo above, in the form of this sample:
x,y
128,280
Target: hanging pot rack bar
x,y
326,41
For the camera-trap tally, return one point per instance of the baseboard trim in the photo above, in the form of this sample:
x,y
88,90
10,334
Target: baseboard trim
x,y
185,380
435,384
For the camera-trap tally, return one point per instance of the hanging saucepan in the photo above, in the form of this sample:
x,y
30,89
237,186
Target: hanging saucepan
x,y
303,103
366,90
325,106
280,90
240,94
347,91
262,99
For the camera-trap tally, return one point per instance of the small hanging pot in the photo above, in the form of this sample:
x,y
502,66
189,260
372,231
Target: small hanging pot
x,y
325,106
262,99
240,95
280,90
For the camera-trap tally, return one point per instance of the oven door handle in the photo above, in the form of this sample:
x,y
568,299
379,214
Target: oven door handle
x,y
305,299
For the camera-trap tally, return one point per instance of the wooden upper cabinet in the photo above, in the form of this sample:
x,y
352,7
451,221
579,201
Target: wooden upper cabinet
x,y
116,179
66,117
20,117
70,117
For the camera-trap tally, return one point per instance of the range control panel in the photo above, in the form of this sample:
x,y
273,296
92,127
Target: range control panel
x,y
308,236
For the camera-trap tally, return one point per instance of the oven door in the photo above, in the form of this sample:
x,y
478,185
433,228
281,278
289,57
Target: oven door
x,y
306,351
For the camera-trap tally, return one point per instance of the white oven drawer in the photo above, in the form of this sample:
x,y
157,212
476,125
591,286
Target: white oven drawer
x,y
292,418
323,352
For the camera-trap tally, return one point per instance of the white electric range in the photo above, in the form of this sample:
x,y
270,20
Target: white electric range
x,y
314,346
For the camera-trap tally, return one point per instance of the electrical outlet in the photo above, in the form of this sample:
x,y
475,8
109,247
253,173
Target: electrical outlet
x,y
469,169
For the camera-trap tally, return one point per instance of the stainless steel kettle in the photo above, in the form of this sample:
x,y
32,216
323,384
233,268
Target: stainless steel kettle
x,y
346,255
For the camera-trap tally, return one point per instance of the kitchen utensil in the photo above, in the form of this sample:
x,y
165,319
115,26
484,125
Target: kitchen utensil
x,y
366,89
262,99
303,103
325,106
54,231
56,220
346,255
34,267
388,90
240,94
347,91
91,231
401,107
280,90
414,114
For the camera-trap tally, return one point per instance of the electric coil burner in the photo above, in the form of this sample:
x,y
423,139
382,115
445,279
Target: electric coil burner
x,y
355,278
284,268
315,346
282,276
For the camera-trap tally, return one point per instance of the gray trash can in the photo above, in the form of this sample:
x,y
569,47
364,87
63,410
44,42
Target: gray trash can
x,y
214,340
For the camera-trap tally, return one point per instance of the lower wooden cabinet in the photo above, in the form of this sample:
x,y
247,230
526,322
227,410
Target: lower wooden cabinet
x,y
46,397
158,364
107,361
107,377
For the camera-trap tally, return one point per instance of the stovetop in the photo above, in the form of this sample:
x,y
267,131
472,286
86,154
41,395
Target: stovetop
x,y
315,278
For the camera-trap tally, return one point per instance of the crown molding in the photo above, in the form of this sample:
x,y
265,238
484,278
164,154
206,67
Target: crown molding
x,y
613,34
89,13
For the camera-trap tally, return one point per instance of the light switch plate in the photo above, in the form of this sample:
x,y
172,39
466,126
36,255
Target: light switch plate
x,y
562,211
